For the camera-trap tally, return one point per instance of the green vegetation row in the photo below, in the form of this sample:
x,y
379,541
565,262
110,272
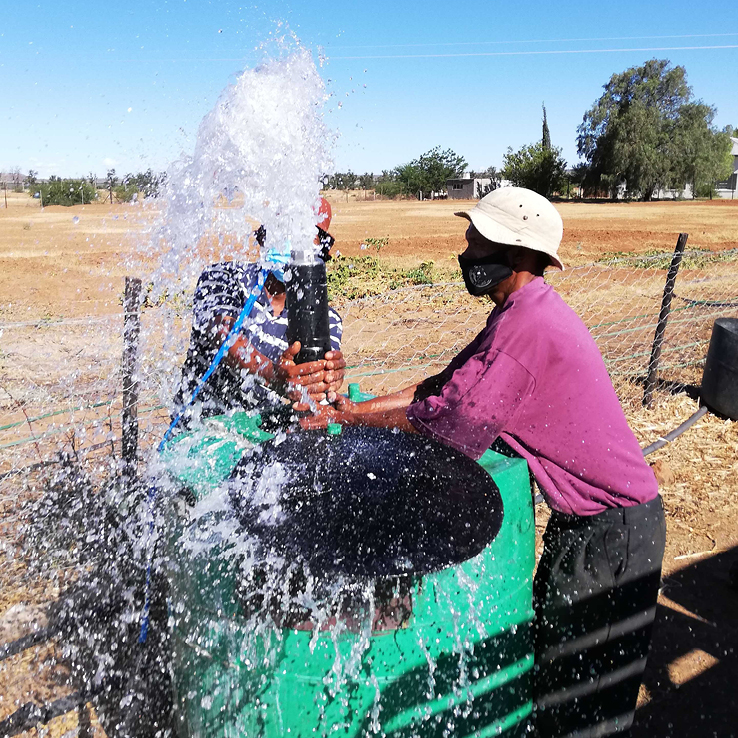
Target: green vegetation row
x,y
660,260
83,191
350,278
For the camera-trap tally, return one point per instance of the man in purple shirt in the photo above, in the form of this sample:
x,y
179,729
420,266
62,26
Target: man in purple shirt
x,y
534,379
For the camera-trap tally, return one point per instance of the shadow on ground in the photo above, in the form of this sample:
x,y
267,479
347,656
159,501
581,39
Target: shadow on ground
x,y
692,671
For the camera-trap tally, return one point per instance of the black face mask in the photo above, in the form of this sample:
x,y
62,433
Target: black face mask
x,y
481,275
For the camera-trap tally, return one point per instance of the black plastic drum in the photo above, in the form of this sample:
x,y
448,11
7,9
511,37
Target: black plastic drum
x,y
720,378
367,502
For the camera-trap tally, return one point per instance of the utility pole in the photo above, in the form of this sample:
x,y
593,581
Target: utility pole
x,y
5,187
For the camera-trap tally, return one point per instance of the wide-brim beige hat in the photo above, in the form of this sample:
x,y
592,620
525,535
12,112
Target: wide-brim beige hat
x,y
516,216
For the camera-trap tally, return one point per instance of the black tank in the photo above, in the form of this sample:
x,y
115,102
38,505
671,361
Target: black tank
x,y
720,378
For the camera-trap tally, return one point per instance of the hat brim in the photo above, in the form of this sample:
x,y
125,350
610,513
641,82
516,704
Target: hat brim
x,y
496,232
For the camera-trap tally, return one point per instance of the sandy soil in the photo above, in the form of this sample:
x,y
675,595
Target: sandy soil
x,y
429,230
52,265
66,263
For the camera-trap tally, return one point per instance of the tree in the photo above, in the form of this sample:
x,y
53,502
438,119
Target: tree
x,y
546,138
341,181
578,177
17,179
430,172
111,180
389,185
411,178
145,183
366,181
701,153
646,132
535,167
31,177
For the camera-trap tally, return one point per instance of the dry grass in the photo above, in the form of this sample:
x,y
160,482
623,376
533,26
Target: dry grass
x,y
701,492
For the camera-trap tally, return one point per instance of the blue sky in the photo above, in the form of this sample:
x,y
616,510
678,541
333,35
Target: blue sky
x,y
89,85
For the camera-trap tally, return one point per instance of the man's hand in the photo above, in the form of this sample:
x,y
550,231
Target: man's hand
x,y
320,379
335,366
310,375
360,413
321,416
344,405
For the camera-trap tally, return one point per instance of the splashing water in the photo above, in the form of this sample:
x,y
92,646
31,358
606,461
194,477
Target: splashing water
x,y
258,159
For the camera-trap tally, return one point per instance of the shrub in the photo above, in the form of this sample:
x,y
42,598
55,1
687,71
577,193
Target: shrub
x,y
706,189
350,278
391,188
422,274
65,192
145,184
377,243
125,192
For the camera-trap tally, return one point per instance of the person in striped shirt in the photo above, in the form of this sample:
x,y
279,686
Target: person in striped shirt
x,y
259,369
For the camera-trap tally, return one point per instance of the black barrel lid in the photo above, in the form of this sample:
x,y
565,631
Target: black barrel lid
x,y
367,502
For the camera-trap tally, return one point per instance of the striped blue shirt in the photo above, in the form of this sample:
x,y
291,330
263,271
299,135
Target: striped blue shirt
x,y
223,290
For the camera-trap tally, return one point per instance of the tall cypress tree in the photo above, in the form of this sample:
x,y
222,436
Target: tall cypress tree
x,y
546,133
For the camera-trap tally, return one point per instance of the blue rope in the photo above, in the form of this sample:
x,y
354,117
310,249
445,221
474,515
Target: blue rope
x,y
224,347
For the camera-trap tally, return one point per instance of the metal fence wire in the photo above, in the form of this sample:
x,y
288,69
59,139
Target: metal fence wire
x,y
61,380
60,393
400,337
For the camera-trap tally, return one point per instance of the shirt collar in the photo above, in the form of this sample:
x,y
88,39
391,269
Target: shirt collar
x,y
526,291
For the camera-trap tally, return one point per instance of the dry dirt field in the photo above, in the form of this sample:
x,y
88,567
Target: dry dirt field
x,y
66,263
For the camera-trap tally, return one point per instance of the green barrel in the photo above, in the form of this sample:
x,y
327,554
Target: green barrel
x,y
459,665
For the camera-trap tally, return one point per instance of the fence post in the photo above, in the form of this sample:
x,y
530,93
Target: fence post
x,y
658,339
84,725
131,329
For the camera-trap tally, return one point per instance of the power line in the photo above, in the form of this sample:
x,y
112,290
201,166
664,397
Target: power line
x,y
330,57
533,53
532,41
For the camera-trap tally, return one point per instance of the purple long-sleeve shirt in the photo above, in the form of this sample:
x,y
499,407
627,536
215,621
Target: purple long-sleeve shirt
x,y
535,377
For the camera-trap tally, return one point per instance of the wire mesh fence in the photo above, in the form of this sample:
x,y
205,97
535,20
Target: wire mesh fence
x,y
60,391
61,380
400,337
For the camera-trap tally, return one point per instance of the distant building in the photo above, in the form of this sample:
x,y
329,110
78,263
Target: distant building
x,y
11,179
728,188
675,193
467,188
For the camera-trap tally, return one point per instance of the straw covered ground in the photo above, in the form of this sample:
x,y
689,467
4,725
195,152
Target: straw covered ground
x,y
68,264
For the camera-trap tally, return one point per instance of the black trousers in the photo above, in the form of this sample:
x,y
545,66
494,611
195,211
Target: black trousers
x,y
595,599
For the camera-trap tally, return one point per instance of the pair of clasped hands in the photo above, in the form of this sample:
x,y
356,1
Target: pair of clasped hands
x,y
321,380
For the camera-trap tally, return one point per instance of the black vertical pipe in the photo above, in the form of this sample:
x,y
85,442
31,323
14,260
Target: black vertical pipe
x,y
658,339
131,329
307,310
